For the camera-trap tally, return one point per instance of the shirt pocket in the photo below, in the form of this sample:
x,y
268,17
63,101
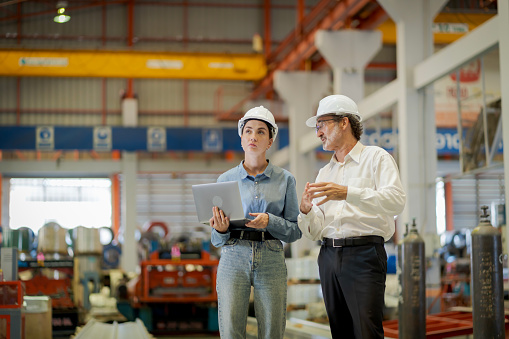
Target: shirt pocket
x,y
360,182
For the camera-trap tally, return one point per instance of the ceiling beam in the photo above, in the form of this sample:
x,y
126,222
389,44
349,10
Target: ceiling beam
x,y
335,15
132,64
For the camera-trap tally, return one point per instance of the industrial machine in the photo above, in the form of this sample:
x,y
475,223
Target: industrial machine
x,y
175,292
455,269
88,252
50,273
11,315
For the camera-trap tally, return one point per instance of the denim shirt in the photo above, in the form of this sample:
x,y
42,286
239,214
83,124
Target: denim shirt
x,y
272,192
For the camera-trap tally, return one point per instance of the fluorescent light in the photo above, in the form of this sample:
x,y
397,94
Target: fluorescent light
x,y
61,18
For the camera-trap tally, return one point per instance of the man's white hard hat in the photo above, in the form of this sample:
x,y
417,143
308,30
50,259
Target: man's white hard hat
x,y
259,113
335,104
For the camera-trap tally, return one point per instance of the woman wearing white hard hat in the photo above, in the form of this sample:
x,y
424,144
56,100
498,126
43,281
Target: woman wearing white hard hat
x,y
252,256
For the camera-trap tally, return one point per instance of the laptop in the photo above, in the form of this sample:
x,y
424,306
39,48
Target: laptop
x,y
225,195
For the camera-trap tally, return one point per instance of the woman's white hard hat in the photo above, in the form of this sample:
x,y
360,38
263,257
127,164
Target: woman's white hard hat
x,y
335,104
259,113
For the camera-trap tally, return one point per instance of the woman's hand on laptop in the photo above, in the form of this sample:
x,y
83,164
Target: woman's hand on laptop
x,y
219,221
261,220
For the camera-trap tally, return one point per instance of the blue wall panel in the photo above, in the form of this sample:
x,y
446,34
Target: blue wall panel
x,y
122,138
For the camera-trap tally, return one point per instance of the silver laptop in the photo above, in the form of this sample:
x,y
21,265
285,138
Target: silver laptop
x,y
225,195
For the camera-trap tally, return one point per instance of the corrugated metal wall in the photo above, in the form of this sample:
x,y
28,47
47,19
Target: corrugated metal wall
x,y
169,198
470,193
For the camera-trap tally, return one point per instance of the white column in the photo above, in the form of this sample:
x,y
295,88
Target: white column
x,y
130,112
129,258
416,115
503,45
348,52
5,201
301,91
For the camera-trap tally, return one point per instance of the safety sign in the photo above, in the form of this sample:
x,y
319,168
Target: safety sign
x,y
102,138
212,140
156,139
45,138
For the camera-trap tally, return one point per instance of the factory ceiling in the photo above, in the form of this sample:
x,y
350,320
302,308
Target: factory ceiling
x,y
295,52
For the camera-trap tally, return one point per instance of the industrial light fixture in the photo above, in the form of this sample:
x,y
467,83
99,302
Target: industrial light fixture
x,y
61,17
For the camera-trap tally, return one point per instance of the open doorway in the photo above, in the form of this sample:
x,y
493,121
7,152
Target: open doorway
x,y
69,202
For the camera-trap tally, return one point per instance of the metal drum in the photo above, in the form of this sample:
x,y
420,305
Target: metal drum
x,y
86,241
412,277
487,280
52,239
22,239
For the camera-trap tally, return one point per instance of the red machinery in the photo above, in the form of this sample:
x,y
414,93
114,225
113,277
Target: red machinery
x,y
174,295
439,325
177,281
58,288
12,321
53,278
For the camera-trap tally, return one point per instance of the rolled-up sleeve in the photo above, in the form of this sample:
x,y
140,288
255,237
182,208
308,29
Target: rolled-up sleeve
x,y
219,239
312,224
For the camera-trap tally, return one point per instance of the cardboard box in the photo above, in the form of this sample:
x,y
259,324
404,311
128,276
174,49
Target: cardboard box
x,y
38,317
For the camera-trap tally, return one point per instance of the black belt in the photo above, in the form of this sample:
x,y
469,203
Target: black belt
x,y
251,235
354,241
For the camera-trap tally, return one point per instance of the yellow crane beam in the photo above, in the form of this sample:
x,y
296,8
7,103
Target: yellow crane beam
x,y
447,27
131,64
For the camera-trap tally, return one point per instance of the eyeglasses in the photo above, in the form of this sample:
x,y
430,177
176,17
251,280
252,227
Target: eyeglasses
x,y
320,124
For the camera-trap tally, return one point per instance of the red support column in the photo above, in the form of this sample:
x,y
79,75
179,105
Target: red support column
x,y
1,195
115,205
267,33
130,38
18,101
449,209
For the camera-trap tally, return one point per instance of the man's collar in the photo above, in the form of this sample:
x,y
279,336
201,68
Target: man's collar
x,y
354,154
356,151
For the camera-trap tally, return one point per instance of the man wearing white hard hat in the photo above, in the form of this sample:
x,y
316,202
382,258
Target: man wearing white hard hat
x,y
350,208
253,255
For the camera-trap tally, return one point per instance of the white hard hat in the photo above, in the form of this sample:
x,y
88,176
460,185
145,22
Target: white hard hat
x,y
259,113
335,104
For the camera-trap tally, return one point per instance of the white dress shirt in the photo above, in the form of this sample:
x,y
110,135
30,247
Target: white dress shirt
x,y
375,196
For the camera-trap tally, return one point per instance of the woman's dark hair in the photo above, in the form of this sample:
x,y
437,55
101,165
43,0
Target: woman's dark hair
x,y
269,127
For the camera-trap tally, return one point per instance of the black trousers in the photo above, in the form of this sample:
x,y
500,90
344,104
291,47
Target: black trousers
x,y
353,286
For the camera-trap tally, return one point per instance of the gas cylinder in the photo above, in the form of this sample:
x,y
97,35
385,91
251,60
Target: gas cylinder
x,y
412,278
487,279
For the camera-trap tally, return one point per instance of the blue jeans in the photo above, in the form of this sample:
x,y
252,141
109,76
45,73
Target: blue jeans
x,y
244,264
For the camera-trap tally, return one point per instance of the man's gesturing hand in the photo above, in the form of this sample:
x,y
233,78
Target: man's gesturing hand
x,y
329,190
306,203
